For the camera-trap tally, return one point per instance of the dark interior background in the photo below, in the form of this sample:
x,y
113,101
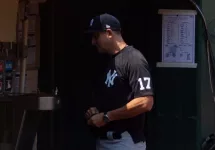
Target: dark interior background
x,y
69,62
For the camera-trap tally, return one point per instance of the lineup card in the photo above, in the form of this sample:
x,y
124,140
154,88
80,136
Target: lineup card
x,y
178,36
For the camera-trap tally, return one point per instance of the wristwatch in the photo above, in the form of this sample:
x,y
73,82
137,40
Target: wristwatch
x,y
106,118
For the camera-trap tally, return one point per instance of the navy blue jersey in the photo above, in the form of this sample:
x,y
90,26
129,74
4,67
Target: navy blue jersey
x,y
126,77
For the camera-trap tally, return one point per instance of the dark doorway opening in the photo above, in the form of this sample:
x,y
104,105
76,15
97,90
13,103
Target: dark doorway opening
x,y
73,63
85,64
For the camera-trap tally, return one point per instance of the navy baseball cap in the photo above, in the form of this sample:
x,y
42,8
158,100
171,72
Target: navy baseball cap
x,y
103,22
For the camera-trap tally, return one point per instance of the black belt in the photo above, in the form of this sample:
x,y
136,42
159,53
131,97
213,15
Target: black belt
x,y
111,135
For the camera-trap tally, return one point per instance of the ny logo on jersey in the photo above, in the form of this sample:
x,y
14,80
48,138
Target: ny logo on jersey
x,y
110,78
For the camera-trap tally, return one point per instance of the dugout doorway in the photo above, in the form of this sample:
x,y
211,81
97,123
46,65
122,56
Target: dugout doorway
x,y
75,63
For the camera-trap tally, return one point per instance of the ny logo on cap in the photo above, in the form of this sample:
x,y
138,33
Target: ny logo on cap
x,y
91,22
107,26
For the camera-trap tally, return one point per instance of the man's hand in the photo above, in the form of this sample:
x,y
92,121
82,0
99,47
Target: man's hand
x,y
90,112
96,120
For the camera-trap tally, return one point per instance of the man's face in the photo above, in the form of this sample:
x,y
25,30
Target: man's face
x,y
102,40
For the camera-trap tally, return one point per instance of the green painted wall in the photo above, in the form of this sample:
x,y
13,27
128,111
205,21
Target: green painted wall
x,y
207,105
177,118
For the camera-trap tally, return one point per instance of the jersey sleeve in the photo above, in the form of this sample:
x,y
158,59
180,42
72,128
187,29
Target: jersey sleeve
x,y
139,77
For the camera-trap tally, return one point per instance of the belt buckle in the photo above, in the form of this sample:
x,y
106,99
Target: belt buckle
x,y
110,135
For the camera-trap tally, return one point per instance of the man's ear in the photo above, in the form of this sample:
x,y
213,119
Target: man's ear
x,y
109,33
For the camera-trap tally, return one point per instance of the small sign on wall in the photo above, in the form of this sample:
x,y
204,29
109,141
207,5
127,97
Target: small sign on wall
x,y
178,38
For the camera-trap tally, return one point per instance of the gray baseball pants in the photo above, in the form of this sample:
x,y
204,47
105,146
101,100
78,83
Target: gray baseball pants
x,y
125,143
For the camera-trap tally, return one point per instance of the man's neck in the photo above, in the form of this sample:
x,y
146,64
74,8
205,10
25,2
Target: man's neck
x,y
119,47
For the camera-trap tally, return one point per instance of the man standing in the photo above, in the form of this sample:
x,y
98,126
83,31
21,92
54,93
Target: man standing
x,y
123,94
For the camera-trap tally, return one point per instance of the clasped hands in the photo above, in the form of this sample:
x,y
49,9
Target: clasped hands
x,y
94,117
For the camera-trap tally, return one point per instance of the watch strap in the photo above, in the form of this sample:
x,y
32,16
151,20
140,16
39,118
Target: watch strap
x,y
106,118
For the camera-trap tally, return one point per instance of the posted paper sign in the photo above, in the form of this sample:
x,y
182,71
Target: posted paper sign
x,y
178,37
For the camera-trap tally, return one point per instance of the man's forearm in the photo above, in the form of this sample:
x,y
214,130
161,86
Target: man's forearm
x,y
132,109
